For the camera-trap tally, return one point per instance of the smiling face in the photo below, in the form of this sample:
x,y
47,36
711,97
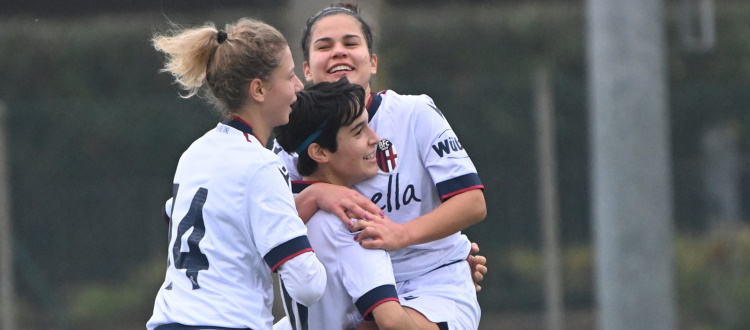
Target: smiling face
x,y
282,88
354,160
338,48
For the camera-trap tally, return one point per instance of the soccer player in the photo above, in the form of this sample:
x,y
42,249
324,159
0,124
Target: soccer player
x,y
328,128
426,185
233,218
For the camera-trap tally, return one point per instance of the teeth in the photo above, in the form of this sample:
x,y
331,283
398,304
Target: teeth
x,y
370,156
340,68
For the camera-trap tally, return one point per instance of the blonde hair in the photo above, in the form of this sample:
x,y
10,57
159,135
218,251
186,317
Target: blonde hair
x,y
224,64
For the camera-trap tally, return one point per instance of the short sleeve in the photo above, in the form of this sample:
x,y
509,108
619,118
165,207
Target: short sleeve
x,y
367,273
277,230
444,157
166,212
289,160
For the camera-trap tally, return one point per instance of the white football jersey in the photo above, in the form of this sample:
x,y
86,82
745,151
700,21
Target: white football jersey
x,y
421,164
359,279
233,222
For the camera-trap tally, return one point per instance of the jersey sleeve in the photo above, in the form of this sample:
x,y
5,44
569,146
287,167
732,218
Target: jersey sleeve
x,y
277,230
444,157
166,212
289,160
367,274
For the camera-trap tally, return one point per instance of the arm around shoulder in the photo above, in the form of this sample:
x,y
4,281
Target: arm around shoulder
x,y
392,316
343,202
455,214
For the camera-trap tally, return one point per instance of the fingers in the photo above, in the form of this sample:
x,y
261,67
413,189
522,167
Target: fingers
x,y
474,248
361,206
480,260
371,244
359,225
343,216
478,275
478,287
369,238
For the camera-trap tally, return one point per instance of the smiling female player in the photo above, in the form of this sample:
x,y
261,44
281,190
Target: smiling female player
x,y
427,186
232,214
329,129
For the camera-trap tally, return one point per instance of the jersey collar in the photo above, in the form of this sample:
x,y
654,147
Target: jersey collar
x,y
373,104
239,124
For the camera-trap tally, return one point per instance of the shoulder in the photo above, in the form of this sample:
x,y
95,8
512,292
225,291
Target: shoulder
x,y
393,101
323,220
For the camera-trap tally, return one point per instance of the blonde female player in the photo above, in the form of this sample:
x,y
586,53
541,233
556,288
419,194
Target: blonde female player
x,y
233,217
426,184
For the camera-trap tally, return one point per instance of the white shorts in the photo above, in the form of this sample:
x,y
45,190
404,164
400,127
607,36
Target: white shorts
x,y
444,295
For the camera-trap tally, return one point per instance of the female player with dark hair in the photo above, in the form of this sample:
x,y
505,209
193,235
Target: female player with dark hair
x,y
233,217
328,128
427,184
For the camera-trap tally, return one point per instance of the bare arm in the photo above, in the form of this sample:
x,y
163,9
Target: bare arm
x,y
391,316
343,202
454,215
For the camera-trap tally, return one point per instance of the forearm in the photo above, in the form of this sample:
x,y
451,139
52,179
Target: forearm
x,y
454,215
391,316
306,203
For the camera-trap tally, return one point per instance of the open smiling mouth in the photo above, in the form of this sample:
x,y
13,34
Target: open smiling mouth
x,y
340,68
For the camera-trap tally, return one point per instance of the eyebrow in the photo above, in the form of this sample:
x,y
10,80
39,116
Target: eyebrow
x,y
356,127
329,39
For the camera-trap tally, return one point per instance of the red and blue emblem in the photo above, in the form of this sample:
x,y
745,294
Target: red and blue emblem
x,y
386,155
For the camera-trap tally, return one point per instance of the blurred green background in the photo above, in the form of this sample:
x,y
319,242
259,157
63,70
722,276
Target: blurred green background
x,y
94,133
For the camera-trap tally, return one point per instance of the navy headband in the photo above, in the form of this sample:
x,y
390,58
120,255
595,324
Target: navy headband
x,y
302,147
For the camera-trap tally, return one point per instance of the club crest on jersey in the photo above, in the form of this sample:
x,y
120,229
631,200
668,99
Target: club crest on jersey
x,y
386,156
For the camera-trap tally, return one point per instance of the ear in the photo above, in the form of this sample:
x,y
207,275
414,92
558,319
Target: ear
x,y
256,90
306,71
318,154
374,64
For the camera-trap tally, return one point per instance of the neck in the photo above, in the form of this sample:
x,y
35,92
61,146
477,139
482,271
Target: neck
x,y
261,131
323,175
368,94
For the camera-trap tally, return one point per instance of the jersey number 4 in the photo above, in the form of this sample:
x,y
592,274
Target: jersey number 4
x,y
193,260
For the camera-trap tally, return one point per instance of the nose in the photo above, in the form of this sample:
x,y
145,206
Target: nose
x,y
339,50
374,138
297,84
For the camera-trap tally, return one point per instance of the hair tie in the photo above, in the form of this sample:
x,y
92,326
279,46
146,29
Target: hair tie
x,y
221,36
302,147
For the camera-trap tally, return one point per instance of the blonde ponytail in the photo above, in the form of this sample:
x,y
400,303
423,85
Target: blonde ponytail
x,y
249,49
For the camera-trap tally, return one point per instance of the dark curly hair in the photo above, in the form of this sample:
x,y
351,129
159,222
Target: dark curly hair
x,y
321,109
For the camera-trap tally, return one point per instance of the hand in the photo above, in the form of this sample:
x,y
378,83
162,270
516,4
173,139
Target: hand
x,y
381,233
477,266
343,202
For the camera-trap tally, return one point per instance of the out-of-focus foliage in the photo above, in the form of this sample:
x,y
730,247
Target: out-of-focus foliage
x,y
713,279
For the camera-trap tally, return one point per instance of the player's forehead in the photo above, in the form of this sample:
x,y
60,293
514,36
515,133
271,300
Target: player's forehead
x,y
356,124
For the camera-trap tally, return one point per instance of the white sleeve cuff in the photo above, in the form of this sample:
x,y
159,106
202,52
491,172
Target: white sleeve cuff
x,y
304,278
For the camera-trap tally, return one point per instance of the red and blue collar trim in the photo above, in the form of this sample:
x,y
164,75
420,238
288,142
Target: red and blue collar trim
x,y
373,105
240,125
